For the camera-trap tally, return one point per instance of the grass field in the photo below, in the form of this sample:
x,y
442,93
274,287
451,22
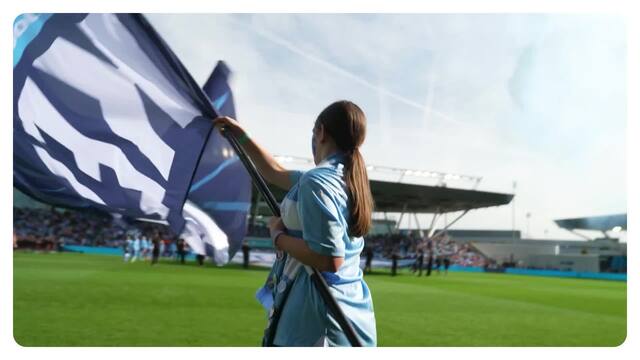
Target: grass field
x,y
92,300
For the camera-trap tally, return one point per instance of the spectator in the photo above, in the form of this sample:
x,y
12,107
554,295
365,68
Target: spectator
x,y
173,249
369,257
200,259
419,261
163,248
43,229
50,229
155,252
136,248
429,256
446,261
145,246
394,261
181,251
245,254
127,247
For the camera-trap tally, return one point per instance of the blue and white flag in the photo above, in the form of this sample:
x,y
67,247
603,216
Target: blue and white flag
x,y
221,186
105,115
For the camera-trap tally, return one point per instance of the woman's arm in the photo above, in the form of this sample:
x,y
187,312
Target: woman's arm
x,y
298,248
266,164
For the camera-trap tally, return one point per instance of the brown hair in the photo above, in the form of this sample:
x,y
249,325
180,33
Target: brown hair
x,y
346,123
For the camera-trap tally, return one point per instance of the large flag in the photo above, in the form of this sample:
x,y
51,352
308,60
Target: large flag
x,y
221,186
106,116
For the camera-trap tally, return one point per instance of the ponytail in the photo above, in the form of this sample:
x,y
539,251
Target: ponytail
x,y
346,123
359,192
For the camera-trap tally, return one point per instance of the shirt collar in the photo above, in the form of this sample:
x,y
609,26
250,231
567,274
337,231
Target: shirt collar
x,y
336,157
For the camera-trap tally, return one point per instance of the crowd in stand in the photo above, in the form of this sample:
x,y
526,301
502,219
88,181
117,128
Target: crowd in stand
x,y
467,256
50,229
407,246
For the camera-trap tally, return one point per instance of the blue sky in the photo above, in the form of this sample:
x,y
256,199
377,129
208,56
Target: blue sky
x,y
536,99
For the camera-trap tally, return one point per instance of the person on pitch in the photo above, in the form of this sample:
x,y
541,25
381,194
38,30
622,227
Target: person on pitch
x,y
245,254
419,260
181,251
155,250
430,251
368,252
325,215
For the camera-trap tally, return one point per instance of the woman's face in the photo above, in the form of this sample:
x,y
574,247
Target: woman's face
x,y
321,143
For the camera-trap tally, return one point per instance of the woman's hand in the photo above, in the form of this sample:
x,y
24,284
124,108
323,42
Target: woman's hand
x,y
229,123
275,226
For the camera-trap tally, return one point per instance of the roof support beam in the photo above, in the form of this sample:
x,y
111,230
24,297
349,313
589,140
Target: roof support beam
x,y
386,220
573,231
451,223
415,215
404,209
432,228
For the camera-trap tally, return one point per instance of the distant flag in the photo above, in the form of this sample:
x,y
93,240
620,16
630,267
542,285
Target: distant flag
x,y
221,186
106,116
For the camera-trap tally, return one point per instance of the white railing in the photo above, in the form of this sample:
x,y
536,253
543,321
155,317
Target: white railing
x,y
441,177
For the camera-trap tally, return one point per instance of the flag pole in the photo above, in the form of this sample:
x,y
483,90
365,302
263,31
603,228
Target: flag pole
x,y
314,274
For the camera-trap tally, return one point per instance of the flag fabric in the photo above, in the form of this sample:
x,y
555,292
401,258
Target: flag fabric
x,y
203,234
221,186
105,116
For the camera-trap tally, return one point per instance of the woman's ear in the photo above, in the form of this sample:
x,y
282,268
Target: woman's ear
x,y
321,137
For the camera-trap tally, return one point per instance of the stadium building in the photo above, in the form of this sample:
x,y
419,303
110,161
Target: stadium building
x,y
500,249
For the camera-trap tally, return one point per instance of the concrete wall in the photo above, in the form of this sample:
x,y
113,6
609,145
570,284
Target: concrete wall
x,y
521,252
578,263
565,255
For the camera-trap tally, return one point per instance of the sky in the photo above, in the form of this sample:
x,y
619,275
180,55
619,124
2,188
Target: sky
x,y
535,99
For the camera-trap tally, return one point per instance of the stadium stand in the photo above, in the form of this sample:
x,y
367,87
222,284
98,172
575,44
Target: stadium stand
x,y
405,243
51,229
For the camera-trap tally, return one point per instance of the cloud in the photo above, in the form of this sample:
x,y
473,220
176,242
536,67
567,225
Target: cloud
x,y
539,99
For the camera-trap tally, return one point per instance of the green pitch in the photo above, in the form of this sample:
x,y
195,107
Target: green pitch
x,y
91,300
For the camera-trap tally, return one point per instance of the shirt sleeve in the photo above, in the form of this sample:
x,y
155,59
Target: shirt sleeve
x,y
320,219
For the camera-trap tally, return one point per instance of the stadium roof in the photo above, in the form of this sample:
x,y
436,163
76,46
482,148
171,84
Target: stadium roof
x,y
414,198
599,223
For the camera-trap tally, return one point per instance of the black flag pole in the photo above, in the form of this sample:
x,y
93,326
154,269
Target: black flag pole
x,y
314,274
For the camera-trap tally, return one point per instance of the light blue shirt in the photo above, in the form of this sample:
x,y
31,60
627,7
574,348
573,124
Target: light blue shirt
x,y
315,209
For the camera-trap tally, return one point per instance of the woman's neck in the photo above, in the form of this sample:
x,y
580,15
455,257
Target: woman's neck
x,y
323,154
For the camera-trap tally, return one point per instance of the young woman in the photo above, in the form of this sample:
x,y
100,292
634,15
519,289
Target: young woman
x,y
325,215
